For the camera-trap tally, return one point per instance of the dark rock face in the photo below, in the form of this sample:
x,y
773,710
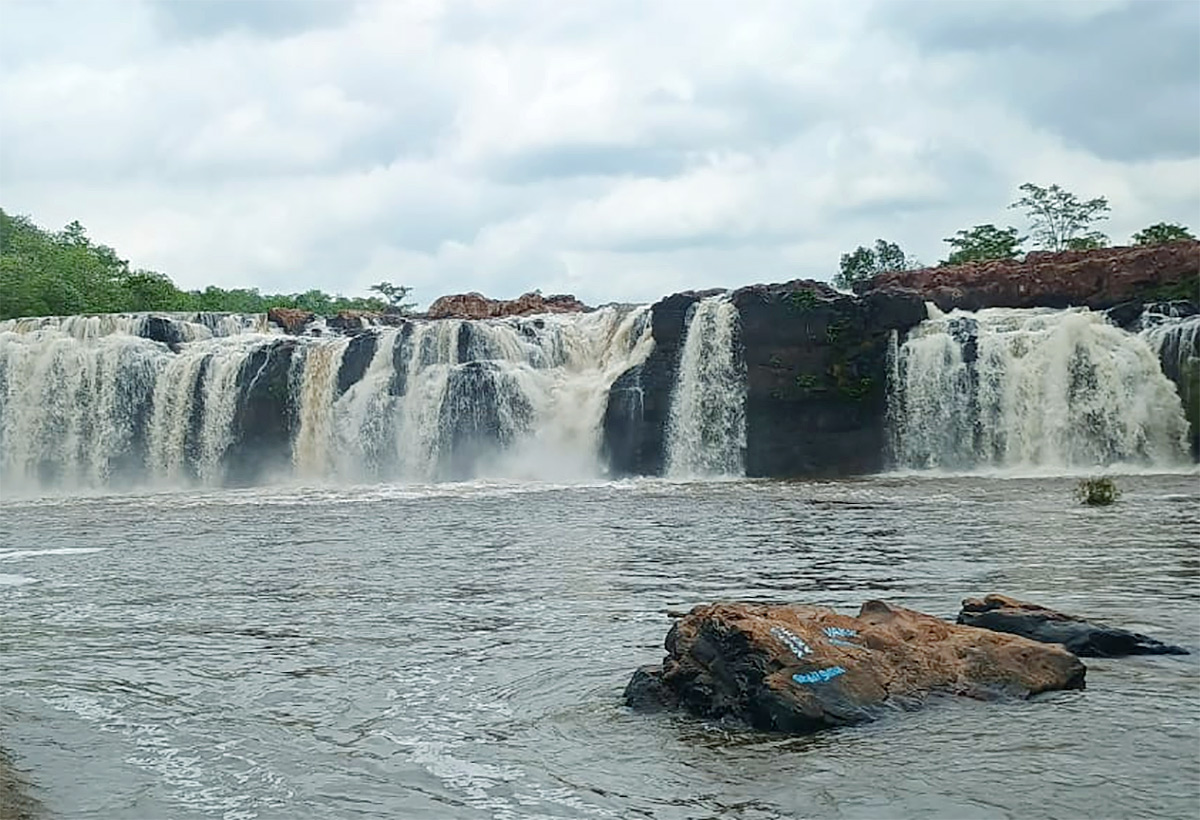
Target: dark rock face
x,y
1089,640
350,321
647,692
1098,279
401,356
817,370
356,359
162,329
265,415
803,668
817,374
639,401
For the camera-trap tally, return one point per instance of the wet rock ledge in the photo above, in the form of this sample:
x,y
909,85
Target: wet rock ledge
x,y
1086,639
796,668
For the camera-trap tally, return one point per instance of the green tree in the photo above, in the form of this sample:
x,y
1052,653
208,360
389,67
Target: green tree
x,y
395,296
146,290
1162,232
1060,220
866,262
1088,242
44,273
983,242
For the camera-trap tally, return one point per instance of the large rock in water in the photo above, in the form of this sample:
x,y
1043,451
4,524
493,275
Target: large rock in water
x,y
802,668
1003,614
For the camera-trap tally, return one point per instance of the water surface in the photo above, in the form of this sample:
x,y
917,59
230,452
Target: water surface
x,y
459,651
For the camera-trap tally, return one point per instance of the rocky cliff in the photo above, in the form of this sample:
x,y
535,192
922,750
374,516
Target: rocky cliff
x,y
1098,279
816,365
817,359
817,376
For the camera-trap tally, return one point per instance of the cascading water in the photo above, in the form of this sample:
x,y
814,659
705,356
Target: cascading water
x,y
1032,388
706,428
1173,331
88,402
519,397
190,327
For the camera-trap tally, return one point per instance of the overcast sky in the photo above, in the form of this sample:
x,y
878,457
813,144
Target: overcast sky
x,y
616,150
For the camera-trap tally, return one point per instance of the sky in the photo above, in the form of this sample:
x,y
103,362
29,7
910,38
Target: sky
x,y
619,150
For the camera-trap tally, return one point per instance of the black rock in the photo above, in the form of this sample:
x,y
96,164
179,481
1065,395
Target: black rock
x,y
1125,314
647,692
356,359
162,329
1088,640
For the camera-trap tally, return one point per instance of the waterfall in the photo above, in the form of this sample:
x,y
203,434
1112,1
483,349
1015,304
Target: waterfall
x,y
1173,331
1032,388
190,327
319,364
102,401
706,427
192,408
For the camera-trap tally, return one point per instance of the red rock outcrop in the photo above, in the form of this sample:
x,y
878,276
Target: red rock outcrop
x,y
800,668
292,320
478,306
1098,279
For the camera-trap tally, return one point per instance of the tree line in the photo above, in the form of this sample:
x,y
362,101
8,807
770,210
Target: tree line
x,y
59,273
1058,221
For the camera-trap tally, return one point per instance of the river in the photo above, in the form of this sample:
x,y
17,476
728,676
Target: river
x,y
459,650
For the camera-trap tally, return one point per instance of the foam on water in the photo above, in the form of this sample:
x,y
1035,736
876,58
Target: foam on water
x,y
13,554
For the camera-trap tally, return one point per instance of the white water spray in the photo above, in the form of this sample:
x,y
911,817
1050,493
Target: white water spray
x,y
85,401
1032,388
706,428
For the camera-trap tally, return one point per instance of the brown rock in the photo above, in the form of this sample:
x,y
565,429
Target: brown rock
x,y
800,668
1086,639
292,320
478,306
1098,279
351,321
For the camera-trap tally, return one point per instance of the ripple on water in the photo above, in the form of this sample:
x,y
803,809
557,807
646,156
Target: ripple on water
x,y
460,651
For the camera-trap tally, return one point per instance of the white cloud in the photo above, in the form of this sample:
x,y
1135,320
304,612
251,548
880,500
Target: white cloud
x,y
619,150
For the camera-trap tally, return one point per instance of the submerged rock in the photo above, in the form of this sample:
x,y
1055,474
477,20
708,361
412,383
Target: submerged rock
x,y
801,668
1089,640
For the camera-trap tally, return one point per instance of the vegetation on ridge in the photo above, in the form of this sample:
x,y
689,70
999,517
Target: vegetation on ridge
x,y
1059,221
44,273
